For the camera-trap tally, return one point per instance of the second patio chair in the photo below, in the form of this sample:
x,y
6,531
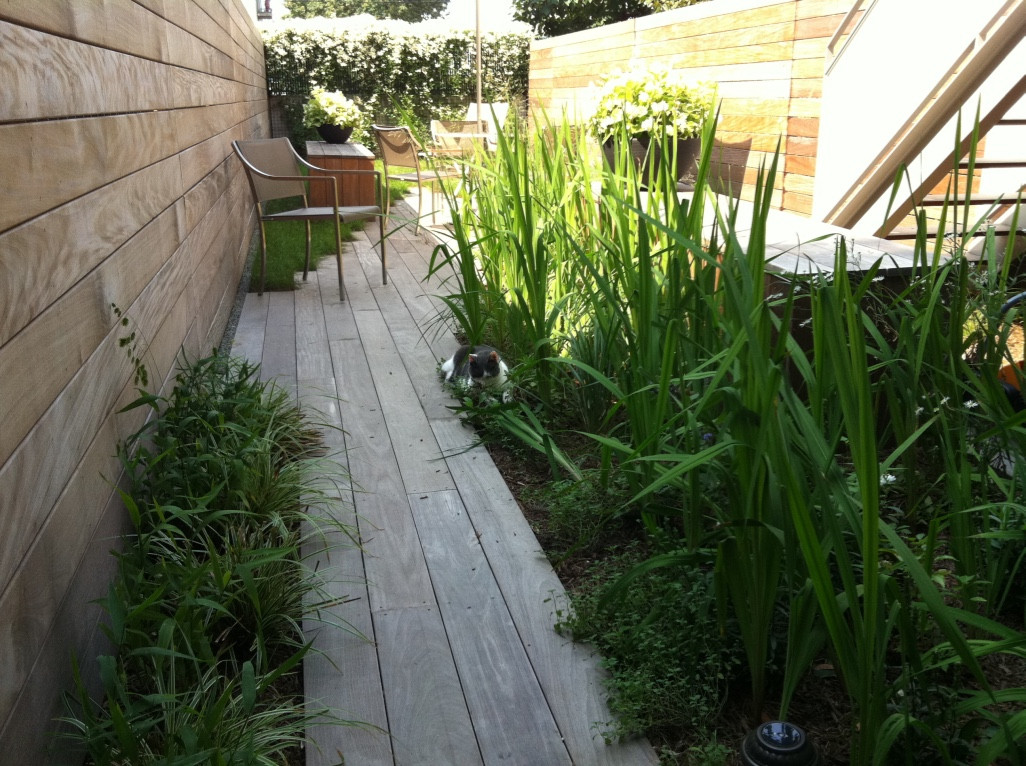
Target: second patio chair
x,y
458,138
399,149
275,171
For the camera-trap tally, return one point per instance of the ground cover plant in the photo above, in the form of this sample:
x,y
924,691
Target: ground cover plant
x,y
205,614
828,464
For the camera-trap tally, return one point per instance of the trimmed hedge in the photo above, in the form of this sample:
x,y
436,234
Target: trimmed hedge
x,y
393,68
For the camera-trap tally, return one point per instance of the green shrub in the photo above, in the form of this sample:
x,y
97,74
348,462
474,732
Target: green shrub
x,y
832,442
385,63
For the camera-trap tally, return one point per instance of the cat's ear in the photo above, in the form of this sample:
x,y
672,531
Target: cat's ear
x,y
493,357
472,357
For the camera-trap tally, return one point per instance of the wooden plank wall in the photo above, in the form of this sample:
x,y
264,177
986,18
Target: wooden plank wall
x,y
117,187
766,56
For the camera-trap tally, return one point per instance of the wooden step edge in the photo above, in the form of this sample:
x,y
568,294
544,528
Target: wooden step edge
x,y
995,162
909,232
934,200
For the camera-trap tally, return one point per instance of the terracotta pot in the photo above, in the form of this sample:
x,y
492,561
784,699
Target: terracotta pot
x,y
335,134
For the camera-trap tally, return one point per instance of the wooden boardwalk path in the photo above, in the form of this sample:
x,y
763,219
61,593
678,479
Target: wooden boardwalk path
x,y
459,663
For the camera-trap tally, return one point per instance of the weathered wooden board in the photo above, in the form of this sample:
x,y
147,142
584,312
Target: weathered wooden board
x,y
498,681
394,561
49,77
342,673
119,189
35,593
419,358
531,592
72,329
27,734
406,421
313,357
41,259
427,714
278,360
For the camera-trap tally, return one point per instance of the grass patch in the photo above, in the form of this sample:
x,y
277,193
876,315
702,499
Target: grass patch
x,y
286,242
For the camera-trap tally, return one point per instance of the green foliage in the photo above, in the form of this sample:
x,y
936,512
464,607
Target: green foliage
x,y
669,5
651,100
331,108
205,614
669,664
385,63
838,445
418,10
560,17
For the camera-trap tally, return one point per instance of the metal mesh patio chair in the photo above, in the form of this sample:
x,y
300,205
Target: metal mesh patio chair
x,y
399,149
275,171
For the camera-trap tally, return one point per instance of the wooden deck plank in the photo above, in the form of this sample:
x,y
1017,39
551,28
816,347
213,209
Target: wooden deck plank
x,y
418,355
568,672
481,678
428,717
342,672
412,439
394,561
498,681
313,360
248,342
278,359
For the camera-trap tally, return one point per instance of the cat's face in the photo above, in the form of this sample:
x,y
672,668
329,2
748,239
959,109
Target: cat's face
x,y
483,365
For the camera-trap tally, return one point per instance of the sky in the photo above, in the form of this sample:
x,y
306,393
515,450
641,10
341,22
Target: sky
x,y
493,12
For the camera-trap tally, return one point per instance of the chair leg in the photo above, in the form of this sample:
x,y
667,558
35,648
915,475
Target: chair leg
x,y
338,259
381,232
386,198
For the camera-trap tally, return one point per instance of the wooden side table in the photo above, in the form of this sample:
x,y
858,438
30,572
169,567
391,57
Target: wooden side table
x,y
352,190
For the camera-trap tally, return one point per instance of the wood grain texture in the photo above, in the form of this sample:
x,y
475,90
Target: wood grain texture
x,y
465,666
531,591
767,57
119,188
44,257
397,575
498,681
428,718
342,673
406,421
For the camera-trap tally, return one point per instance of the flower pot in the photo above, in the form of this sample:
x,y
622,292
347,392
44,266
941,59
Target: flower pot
x,y
646,162
335,134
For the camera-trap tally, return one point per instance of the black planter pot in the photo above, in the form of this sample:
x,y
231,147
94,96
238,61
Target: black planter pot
x,y
645,161
334,134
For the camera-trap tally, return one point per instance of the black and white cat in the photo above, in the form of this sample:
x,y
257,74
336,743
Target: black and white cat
x,y
477,364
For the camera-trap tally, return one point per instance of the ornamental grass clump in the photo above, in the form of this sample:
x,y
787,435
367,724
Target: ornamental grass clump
x,y
651,100
206,612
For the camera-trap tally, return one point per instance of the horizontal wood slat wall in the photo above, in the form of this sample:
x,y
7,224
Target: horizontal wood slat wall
x,y
119,188
767,57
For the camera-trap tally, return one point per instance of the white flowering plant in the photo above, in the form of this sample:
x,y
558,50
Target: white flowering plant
x,y
651,101
331,108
